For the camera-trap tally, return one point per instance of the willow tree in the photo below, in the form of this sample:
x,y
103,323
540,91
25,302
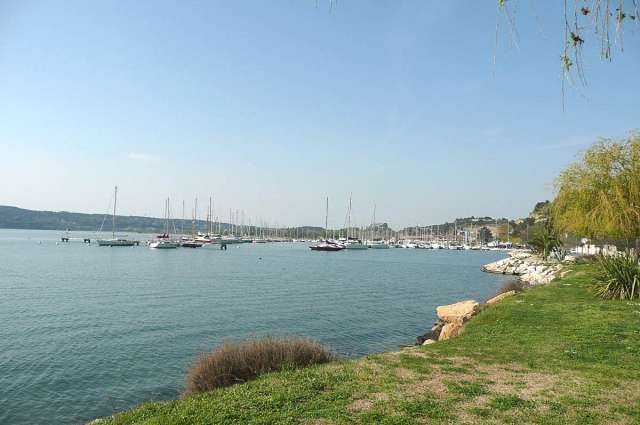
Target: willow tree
x,y
599,196
598,23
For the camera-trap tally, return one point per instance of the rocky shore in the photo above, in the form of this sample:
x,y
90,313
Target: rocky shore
x,y
529,268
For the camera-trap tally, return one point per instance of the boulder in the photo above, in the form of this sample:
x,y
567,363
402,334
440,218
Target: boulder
x,y
428,341
435,331
433,334
500,297
458,311
451,329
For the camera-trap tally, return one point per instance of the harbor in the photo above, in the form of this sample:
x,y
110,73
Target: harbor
x,y
213,233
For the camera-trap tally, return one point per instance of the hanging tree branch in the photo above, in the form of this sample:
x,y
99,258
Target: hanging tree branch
x,y
585,20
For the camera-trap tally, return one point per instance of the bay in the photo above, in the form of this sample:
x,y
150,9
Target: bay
x,y
86,331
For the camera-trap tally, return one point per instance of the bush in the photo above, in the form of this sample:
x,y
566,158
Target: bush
x,y
512,285
619,276
545,241
236,362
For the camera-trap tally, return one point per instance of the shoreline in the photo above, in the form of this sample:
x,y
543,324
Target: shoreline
x,y
452,318
544,355
528,268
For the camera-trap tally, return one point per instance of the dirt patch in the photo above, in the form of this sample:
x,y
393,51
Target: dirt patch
x,y
405,374
360,405
431,385
380,396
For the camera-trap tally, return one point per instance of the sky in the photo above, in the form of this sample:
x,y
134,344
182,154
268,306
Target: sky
x,y
419,107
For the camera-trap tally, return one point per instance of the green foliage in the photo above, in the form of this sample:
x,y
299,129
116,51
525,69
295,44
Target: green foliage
x,y
620,276
599,196
586,21
545,240
485,235
19,218
468,389
541,211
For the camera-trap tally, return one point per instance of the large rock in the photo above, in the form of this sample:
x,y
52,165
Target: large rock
x,y
458,311
433,334
451,329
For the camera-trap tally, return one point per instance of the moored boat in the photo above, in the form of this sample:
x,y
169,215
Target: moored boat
x,y
116,241
378,245
163,244
164,241
191,243
355,244
327,246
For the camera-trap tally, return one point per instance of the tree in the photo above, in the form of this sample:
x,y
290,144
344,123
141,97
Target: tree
x,y
599,196
485,235
545,240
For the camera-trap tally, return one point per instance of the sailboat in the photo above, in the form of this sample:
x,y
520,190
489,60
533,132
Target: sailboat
x,y
375,243
116,241
327,245
192,243
352,242
209,240
163,241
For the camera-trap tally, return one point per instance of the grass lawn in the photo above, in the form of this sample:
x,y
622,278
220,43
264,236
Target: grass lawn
x,y
551,355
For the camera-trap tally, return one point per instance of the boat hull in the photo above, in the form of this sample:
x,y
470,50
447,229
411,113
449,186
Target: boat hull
x,y
116,242
163,245
328,248
191,244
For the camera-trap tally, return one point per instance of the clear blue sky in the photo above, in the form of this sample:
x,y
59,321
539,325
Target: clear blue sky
x,y
272,105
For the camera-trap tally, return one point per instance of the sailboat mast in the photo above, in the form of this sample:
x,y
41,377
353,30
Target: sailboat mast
x,y
115,200
349,217
195,217
210,217
326,221
167,216
374,229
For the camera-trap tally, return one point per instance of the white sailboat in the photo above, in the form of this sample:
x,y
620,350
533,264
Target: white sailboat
x,y
115,241
352,242
375,243
209,239
165,242
192,242
326,244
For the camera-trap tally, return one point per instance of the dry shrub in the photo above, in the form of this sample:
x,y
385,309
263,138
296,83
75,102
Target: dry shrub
x,y
511,285
235,362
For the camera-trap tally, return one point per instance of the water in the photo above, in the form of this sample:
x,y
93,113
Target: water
x,y
86,331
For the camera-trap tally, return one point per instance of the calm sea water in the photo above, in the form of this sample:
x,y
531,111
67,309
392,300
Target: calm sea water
x,y
86,331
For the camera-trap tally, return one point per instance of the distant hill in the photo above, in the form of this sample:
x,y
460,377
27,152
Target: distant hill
x,y
20,218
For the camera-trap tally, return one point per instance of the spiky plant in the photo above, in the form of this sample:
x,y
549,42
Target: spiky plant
x,y
619,276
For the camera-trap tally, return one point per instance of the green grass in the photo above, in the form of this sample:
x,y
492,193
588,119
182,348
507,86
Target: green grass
x,y
556,354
